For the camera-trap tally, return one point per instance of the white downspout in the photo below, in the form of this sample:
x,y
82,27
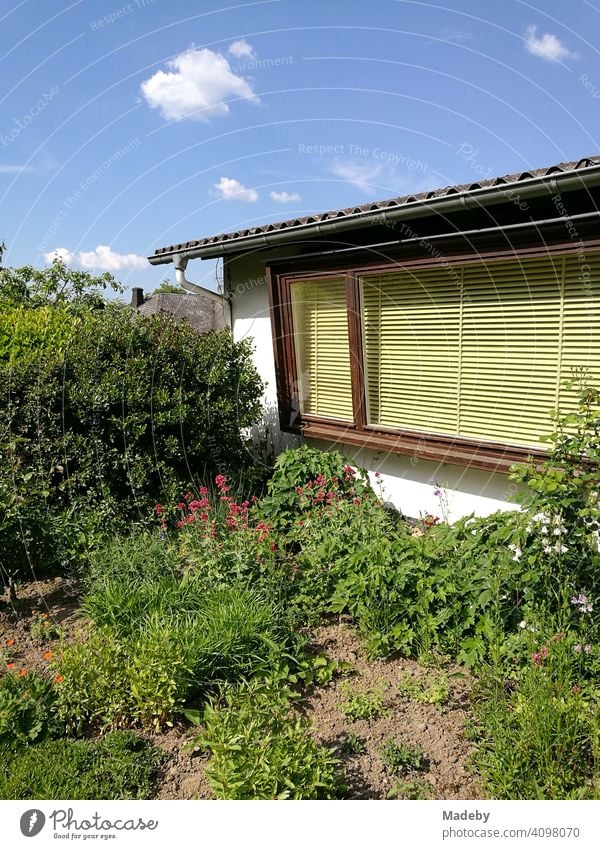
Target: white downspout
x,y
180,265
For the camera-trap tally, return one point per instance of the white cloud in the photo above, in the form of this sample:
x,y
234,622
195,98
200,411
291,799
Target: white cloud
x,y
65,254
359,174
230,189
284,197
196,86
241,49
103,258
547,47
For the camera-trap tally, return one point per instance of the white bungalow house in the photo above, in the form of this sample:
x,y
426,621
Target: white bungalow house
x,y
429,336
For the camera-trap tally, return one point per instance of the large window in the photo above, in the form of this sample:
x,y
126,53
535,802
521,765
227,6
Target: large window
x,y
465,352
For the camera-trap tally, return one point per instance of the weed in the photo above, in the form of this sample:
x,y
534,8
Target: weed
x,y
353,744
402,757
432,688
43,629
417,789
366,705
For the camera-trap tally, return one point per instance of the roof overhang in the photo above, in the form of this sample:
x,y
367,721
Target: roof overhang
x,y
553,181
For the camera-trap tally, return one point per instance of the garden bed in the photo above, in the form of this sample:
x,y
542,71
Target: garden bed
x,y
437,727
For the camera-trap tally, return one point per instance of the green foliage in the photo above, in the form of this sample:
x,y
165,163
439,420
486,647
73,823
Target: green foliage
x,y
100,410
368,704
161,637
431,689
119,766
402,757
353,745
540,736
42,629
304,480
26,708
166,287
261,749
416,789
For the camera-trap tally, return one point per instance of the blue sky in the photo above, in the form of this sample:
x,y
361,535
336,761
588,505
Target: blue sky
x,y
128,126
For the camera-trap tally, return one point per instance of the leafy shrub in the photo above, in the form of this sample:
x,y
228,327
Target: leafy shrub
x,y
402,757
305,479
120,410
26,707
119,766
261,749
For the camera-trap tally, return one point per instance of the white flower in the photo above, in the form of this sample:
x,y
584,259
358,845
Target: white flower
x,y
547,549
522,624
544,529
557,532
560,549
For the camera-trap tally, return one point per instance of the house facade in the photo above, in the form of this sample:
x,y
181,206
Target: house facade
x,y
428,337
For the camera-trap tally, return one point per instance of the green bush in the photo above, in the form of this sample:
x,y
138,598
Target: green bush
x,y
304,480
119,766
261,749
125,408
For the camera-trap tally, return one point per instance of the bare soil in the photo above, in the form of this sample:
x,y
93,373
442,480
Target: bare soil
x,y
438,729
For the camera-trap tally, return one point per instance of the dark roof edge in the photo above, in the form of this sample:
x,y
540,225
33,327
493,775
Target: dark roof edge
x,y
583,172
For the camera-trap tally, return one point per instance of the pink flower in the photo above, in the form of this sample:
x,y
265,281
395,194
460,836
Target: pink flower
x,y
158,509
356,501
221,481
203,490
587,648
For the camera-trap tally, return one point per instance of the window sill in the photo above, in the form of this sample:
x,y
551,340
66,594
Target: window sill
x,y
471,453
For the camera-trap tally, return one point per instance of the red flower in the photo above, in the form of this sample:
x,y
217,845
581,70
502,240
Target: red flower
x,y
10,642
356,501
10,666
158,509
47,655
181,506
58,679
203,490
221,481
22,673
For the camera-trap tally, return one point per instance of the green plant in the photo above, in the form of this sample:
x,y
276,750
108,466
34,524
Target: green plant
x,y
261,749
417,789
432,688
119,766
353,745
402,757
118,413
42,629
304,480
27,707
367,704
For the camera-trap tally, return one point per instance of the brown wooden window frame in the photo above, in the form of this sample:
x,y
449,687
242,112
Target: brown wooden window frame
x,y
480,454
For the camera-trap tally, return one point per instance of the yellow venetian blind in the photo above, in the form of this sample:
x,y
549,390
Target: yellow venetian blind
x,y
480,350
322,351
411,345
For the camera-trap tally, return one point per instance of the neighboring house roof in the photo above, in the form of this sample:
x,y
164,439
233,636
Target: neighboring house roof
x,y
202,313
221,243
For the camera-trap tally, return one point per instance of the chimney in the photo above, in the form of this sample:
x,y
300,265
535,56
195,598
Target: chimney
x,y
137,297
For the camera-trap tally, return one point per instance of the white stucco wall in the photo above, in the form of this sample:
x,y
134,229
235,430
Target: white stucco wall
x,y
406,482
